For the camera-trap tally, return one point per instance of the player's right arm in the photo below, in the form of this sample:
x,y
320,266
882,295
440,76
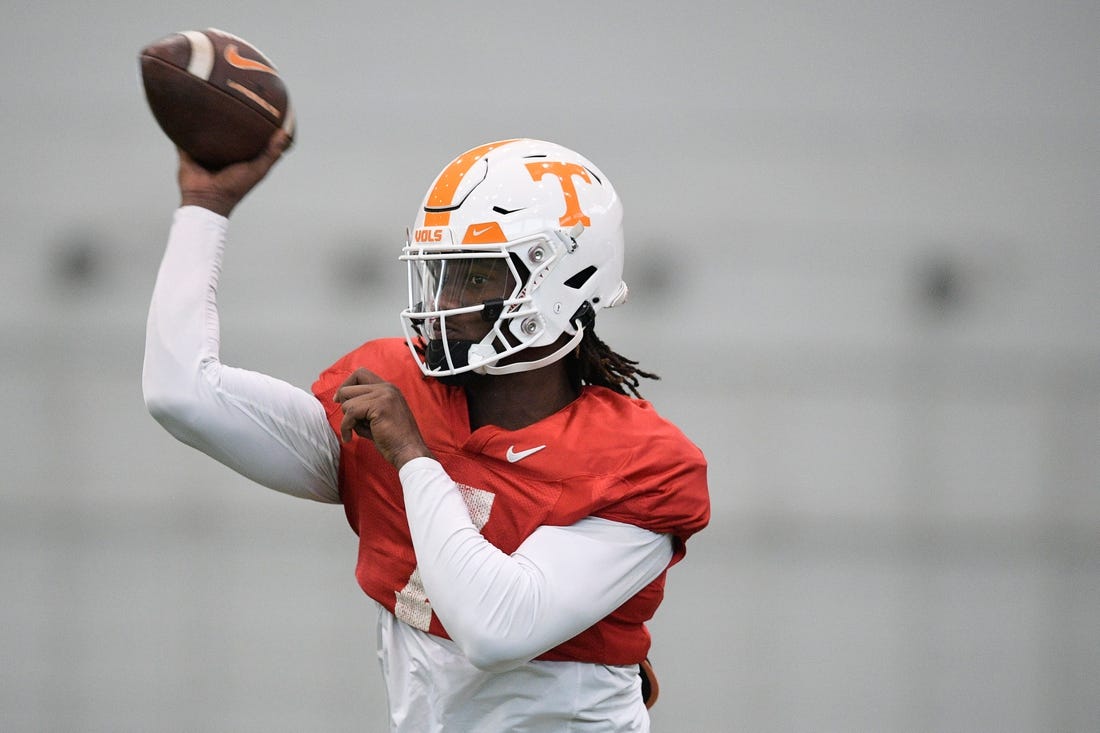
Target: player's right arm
x,y
266,429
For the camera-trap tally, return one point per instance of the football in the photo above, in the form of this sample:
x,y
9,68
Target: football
x,y
215,95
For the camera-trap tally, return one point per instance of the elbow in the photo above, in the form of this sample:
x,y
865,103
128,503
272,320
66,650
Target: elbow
x,y
161,400
492,654
173,407
163,407
158,401
169,411
503,638
168,384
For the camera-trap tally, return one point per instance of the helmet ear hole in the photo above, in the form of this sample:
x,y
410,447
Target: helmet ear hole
x,y
578,280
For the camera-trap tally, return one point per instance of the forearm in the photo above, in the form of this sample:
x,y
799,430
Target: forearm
x,y
503,610
268,430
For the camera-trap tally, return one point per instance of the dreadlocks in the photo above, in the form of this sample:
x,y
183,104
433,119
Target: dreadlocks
x,y
595,363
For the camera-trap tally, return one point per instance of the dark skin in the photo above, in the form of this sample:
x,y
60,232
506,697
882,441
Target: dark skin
x,y
373,408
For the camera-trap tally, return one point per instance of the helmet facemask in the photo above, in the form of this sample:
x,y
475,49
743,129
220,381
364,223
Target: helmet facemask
x,y
450,285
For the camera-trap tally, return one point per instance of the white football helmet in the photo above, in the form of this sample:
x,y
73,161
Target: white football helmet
x,y
528,234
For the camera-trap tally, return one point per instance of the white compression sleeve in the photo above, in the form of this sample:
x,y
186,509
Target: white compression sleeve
x,y
268,430
505,610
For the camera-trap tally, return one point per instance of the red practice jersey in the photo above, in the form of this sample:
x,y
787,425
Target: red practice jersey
x,y
604,455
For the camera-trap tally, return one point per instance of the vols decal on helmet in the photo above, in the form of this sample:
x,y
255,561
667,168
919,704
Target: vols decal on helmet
x,y
564,172
441,200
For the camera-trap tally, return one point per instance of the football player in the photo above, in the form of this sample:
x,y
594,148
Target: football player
x,y
517,503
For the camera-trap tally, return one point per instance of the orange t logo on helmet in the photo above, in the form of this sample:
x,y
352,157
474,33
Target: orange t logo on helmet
x,y
440,202
564,172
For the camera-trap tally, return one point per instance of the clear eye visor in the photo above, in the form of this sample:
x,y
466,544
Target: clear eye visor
x,y
452,284
447,284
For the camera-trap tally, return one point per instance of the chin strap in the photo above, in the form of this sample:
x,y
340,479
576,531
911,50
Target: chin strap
x,y
526,366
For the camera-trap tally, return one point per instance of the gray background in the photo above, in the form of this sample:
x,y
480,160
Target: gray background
x,y
863,254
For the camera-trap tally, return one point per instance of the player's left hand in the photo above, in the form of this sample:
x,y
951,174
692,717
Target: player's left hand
x,y
375,409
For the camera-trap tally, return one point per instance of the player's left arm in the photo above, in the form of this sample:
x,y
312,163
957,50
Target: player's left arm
x,y
503,610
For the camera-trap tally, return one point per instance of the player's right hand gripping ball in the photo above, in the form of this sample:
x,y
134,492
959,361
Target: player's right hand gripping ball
x,y
215,95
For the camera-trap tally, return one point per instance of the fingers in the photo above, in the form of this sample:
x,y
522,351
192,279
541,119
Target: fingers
x,y
270,155
365,384
279,143
362,376
360,403
221,190
358,377
353,422
378,411
351,392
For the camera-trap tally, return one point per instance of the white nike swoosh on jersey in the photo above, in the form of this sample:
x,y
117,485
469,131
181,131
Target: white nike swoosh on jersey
x,y
513,455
